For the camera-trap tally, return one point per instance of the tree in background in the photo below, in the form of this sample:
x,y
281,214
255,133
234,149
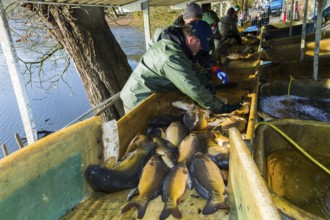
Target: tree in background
x,y
84,33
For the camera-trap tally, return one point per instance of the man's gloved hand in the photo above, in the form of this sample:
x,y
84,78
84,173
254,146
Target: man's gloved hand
x,y
220,74
229,108
223,77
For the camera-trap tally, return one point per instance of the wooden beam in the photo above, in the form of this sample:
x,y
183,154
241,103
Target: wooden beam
x,y
146,21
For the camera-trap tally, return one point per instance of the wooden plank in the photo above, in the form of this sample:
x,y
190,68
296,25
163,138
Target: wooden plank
x,y
248,194
19,141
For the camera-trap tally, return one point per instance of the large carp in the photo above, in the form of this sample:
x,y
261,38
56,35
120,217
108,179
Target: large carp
x,y
135,142
124,174
176,132
173,189
149,186
189,146
167,151
208,182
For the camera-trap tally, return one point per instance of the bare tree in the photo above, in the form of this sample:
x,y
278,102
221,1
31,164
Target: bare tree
x,y
84,33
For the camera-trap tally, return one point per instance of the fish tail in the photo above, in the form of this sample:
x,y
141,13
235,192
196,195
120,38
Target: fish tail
x,y
212,206
170,210
129,206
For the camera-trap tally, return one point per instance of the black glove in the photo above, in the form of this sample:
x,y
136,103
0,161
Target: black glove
x,y
211,88
229,108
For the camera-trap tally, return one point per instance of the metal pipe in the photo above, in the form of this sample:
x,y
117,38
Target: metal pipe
x,y
291,18
16,78
303,34
317,40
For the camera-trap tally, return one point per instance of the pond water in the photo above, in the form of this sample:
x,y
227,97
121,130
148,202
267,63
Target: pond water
x,y
296,107
54,105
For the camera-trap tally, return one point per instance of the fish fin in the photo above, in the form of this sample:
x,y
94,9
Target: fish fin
x,y
172,210
141,210
132,193
129,206
212,206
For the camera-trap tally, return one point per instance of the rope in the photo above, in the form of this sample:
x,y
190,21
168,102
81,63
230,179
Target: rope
x,y
290,83
105,104
296,145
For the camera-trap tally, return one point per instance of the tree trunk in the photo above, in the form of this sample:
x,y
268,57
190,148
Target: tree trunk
x,y
99,59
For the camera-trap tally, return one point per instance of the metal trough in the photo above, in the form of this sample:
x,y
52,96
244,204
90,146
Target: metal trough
x,y
307,100
314,138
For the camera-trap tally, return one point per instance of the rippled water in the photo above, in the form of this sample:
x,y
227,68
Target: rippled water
x,y
295,107
54,106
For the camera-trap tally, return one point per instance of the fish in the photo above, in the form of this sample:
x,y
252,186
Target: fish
x,y
243,110
189,146
176,132
164,120
156,132
196,119
183,105
216,121
219,137
220,156
133,145
235,121
174,186
123,175
150,185
167,151
208,183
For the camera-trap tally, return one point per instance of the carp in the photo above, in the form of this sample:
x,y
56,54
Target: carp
x,y
196,119
189,146
208,182
235,121
133,145
164,120
176,132
167,151
123,175
156,132
149,186
220,156
174,186
219,137
183,105
243,110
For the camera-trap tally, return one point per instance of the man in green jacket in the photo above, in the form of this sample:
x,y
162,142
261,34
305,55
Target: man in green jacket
x,y
168,66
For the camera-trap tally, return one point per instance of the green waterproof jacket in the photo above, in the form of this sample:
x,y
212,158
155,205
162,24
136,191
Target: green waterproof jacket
x,y
165,68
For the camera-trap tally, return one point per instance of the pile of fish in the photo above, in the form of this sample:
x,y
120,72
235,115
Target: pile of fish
x,y
190,149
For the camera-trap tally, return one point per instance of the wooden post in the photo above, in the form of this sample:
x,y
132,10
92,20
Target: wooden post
x,y
19,141
16,77
146,21
317,39
303,34
5,150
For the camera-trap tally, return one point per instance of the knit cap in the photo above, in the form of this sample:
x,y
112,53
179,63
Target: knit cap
x,y
193,10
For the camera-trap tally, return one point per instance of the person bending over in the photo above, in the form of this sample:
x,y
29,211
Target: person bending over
x,y
168,66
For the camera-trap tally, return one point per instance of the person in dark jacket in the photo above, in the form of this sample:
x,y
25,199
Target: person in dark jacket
x,y
229,34
168,66
228,26
192,12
